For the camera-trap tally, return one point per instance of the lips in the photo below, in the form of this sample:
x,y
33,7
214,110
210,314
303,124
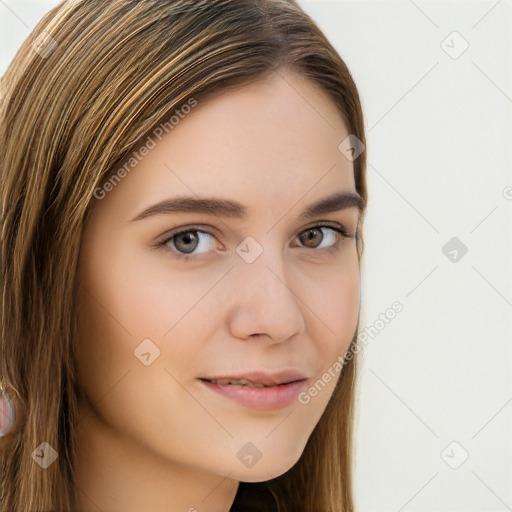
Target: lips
x,y
258,390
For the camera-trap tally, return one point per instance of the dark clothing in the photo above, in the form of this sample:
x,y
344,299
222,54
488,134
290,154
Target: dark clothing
x,y
253,497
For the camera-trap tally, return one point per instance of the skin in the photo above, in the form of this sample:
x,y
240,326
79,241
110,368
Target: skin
x,y
154,438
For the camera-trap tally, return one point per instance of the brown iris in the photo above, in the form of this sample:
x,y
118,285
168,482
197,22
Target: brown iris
x,y
310,235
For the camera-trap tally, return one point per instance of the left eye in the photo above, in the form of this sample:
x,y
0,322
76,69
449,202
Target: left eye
x,y
190,243
315,234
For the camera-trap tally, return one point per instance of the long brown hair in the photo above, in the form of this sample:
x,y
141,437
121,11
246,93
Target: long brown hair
x,y
92,79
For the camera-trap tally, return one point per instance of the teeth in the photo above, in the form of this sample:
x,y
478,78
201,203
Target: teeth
x,y
240,382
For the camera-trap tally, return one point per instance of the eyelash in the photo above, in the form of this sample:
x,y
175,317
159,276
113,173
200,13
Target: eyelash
x,y
342,235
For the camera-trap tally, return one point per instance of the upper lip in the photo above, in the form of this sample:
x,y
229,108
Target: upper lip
x,y
261,377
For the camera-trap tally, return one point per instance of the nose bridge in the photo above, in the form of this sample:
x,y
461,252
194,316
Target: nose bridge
x,y
267,273
265,302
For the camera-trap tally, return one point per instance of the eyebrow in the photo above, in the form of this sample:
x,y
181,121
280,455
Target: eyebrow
x,y
231,209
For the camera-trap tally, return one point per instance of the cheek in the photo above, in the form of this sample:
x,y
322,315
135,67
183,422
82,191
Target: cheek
x,y
342,310
144,295
123,303
336,307
103,349
179,312
335,304
335,300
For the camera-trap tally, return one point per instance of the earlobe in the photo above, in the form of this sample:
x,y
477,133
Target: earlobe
x,y
7,414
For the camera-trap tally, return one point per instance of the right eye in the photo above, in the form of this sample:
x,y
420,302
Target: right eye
x,y
183,242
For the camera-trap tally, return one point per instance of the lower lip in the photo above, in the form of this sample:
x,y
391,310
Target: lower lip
x,y
265,399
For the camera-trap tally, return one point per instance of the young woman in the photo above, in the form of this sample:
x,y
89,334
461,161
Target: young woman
x,y
183,189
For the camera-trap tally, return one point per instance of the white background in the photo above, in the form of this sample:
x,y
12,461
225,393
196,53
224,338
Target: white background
x,y
440,155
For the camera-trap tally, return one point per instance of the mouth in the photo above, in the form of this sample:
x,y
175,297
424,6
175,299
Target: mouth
x,y
243,382
258,390
257,379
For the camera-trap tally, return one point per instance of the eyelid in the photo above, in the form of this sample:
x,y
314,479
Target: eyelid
x,y
349,233
182,229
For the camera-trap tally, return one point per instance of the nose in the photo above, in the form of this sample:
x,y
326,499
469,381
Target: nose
x,y
264,305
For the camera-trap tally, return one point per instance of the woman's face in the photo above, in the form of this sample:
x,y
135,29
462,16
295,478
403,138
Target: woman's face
x,y
270,290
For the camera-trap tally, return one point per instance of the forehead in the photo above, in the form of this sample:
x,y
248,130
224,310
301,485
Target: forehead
x,y
270,142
